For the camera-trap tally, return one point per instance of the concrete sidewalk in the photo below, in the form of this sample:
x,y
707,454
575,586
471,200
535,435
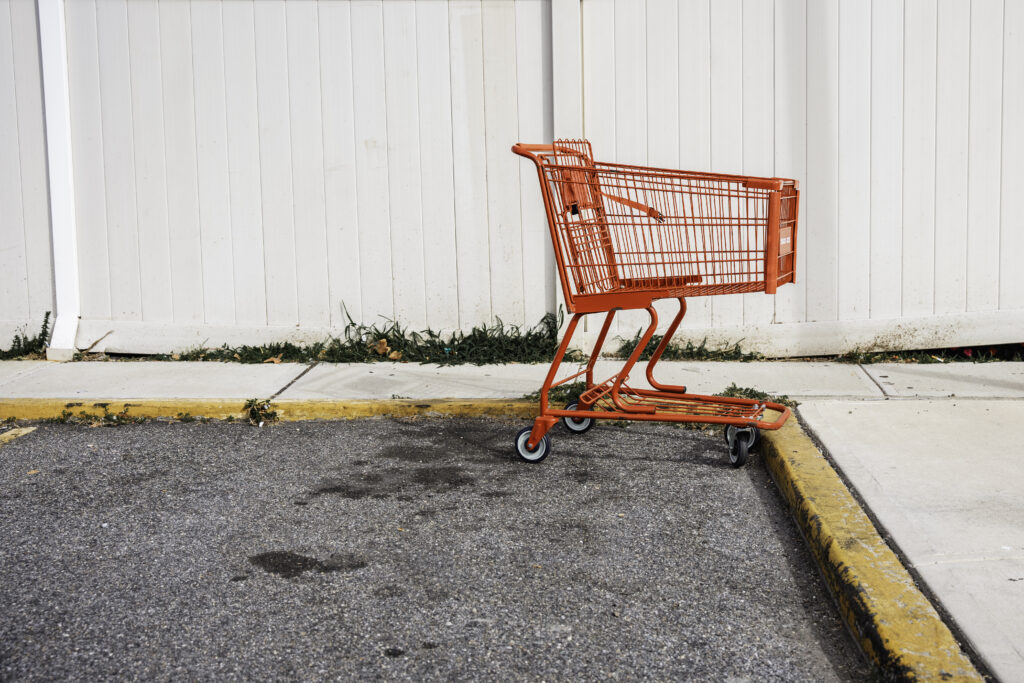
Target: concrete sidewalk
x,y
932,450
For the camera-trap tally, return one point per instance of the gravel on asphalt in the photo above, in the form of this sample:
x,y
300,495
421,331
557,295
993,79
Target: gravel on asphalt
x,y
402,549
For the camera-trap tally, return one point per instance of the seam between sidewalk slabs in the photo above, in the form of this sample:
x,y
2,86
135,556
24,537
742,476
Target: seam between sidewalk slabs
x,y
873,380
891,619
294,380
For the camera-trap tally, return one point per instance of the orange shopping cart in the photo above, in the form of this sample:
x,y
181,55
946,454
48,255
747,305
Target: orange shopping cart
x,y
625,236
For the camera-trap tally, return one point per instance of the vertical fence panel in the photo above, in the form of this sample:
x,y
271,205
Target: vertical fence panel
x,y
440,273
34,220
919,159
501,123
533,66
1011,216
886,158
985,129
952,70
820,197
854,203
14,271
212,163
471,238
758,120
791,137
186,281
243,131
312,283
119,160
404,165
631,76
694,47
150,161
727,119
340,194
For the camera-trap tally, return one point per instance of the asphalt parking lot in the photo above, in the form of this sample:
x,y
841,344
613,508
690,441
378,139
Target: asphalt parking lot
x,y
402,549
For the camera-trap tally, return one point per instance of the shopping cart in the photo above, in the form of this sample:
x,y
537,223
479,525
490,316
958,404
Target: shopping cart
x,y
625,236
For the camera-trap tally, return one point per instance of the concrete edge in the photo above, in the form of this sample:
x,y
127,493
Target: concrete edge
x,y
891,619
13,434
288,410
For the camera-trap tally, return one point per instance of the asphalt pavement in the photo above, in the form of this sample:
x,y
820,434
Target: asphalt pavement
x,y
402,549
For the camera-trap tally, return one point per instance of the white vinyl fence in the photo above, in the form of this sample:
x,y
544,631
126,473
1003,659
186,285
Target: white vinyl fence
x,y
247,171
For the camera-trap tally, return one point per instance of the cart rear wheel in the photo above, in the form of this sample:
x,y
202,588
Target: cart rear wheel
x,y
574,425
541,451
752,435
738,452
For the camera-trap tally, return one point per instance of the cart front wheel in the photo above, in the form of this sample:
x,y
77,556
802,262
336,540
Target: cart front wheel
x,y
738,452
752,435
540,451
577,425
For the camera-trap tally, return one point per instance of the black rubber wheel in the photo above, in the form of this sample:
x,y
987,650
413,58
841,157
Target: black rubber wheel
x,y
580,426
738,453
755,435
541,451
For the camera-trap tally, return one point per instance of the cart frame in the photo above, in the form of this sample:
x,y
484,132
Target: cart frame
x,y
670,234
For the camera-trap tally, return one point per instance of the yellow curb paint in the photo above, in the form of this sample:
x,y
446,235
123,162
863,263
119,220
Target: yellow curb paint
x,y
289,410
13,434
892,620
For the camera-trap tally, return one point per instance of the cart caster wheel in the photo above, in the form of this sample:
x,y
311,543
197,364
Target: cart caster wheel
x,y
541,451
738,452
753,435
575,426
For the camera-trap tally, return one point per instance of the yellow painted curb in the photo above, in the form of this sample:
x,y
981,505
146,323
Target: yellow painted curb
x,y
13,434
50,408
892,620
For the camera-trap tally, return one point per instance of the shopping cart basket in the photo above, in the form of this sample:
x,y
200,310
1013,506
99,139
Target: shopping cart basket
x,y
625,236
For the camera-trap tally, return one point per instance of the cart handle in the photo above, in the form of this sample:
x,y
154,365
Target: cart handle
x,y
527,151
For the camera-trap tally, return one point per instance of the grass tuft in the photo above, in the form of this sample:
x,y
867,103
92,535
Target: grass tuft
x,y
23,346
484,344
733,391
687,351
260,411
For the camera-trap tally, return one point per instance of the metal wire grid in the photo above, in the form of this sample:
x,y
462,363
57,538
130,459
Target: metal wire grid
x,y
632,228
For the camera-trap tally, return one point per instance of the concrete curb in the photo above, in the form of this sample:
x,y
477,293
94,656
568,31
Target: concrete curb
x,y
891,619
288,410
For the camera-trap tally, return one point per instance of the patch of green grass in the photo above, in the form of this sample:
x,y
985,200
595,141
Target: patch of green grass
x,y
561,395
107,419
484,344
967,354
23,346
733,391
687,351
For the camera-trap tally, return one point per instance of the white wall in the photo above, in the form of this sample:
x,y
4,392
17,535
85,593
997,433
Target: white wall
x,y
26,275
244,168
904,123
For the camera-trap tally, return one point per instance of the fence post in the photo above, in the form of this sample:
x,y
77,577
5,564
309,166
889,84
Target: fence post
x,y
63,228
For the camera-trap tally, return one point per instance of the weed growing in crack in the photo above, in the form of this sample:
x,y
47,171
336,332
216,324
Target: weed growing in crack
x,y
27,347
107,419
260,411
